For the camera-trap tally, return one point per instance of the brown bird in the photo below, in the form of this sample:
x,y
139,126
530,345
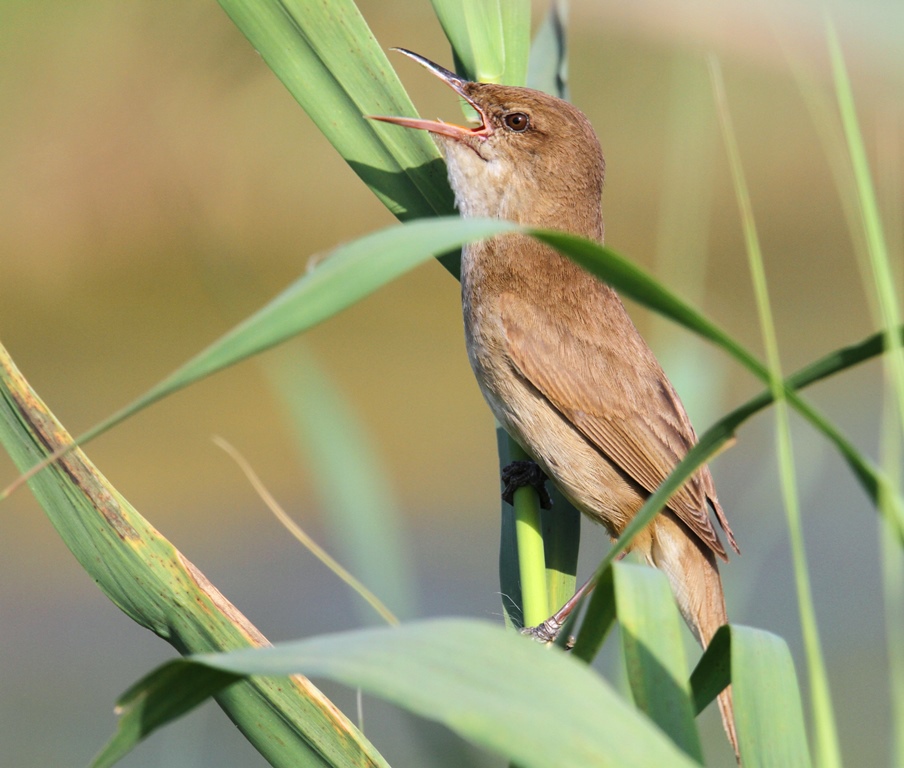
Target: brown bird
x,y
556,356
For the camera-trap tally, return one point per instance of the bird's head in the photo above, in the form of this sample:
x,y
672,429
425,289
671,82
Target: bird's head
x,y
533,158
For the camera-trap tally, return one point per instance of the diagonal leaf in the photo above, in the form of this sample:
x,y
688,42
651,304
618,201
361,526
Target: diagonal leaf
x,y
360,267
352,272
632,282
327,57
534,705
599,613
490,38
152,582
654,652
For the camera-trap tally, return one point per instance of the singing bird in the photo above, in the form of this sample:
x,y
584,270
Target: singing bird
x,y
556,356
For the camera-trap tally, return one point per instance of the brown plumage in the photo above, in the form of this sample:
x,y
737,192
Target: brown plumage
x,y
556,356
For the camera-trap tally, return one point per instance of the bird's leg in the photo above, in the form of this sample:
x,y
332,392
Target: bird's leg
x,y
548,631
518,474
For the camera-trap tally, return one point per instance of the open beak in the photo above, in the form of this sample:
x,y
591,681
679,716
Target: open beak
x,y
457,84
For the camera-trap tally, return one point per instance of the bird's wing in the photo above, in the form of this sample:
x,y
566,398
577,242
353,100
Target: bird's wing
x,y
628,412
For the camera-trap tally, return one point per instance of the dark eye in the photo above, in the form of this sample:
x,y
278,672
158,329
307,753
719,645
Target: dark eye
x,y
516,121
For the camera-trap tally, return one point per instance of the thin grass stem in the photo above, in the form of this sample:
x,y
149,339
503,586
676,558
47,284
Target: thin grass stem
x,y
826,734
299,533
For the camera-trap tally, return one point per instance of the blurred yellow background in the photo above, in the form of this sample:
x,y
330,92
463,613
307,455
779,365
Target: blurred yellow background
x,y
158,184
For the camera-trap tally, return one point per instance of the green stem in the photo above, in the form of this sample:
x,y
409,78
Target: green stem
x,y
531,550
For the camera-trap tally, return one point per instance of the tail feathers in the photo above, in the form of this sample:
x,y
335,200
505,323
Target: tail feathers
x,y
694,576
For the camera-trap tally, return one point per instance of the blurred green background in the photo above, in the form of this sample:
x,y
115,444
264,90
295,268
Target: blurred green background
x,y
157,184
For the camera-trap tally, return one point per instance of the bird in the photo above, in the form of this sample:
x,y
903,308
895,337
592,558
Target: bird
x,y
555,354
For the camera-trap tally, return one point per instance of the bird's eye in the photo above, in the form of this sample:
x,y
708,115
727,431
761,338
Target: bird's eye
x,y
516,121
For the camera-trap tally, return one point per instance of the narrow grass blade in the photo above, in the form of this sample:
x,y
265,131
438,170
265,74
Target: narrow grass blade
x,y
654,652
633,283
768,710
892,565
289,722
846,152
828,748
345,470
531,704
883,276
376,605
547,68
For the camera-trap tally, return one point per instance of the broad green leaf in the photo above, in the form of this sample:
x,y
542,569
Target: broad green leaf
x,y
490,38
289,722
327,57
148,713
654,652
768,711
534,705
516,40
562,537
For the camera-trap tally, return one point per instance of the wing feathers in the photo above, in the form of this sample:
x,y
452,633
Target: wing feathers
x,y
628,412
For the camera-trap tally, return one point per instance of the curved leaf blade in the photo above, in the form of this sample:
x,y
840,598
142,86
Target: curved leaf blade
x,y
327,57
490,38
352,272
289,722
768,710
479,680
654,652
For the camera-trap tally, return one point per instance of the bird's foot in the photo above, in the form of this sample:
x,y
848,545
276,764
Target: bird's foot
x,y
547,632
518,474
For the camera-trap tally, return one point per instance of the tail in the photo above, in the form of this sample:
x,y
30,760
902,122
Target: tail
x,y
692,571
